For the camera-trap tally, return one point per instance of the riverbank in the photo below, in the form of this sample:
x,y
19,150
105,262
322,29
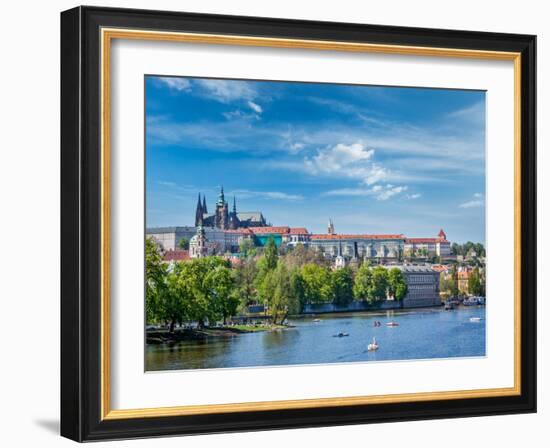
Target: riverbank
x,y
194,334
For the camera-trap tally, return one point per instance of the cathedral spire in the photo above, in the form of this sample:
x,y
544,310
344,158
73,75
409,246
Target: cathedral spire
x,y
221,197
234,205
204,208
199,211
330,228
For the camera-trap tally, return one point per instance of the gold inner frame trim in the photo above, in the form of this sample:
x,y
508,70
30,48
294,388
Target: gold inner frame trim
x,y
107,35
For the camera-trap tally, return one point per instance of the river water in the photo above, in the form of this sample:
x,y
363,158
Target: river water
x,y
421,334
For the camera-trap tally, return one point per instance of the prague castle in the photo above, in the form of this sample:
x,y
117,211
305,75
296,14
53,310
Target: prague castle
x,y
224,219
223,230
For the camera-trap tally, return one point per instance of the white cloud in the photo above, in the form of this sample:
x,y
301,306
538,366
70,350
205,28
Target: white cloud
x,y
380,192
267,195
350,161
166,183
226,91
413,196
474,113
388,191
255,107
478,201
472,204
179,84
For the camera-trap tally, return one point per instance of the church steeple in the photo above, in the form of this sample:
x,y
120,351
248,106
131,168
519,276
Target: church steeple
x,y
199,212
204,208
234,205
221,197
330,228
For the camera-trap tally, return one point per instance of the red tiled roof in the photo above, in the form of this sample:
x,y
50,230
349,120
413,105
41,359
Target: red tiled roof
x,y
298,231
440,268
266,230
422,240
176,255
244,231
327,236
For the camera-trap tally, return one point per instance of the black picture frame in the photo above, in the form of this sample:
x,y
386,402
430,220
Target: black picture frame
x,y
81,224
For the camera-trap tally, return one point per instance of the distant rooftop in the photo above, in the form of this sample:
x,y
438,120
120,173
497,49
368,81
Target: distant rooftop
x,y
176,255
413,268
360,236
249,216
171,229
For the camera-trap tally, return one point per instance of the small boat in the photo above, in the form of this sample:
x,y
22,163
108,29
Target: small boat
x,y
471,301
475,319
340,335
392,324
373,345
316,320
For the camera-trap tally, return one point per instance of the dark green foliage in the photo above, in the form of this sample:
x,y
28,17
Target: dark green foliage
x,y
342,286
397,286
476,284
271,254
467,249
317,284
371,284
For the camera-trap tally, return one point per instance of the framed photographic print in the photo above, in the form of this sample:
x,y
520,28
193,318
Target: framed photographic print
x,y
274,223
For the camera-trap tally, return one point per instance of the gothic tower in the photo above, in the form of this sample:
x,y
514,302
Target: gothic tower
x,y
221,219
233,220
330,229
204,208
199,212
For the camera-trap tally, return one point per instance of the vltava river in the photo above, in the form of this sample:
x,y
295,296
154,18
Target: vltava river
x,y
421,334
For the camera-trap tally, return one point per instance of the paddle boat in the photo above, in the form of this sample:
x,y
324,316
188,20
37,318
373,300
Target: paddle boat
x,y
340,335
373,345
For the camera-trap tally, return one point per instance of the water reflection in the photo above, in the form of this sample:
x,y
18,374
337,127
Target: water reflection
x,y
422,334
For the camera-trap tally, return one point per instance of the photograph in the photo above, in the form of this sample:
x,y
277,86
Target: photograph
x,y
300,223
273,222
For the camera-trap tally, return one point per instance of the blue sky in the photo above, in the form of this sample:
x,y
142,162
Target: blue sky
x,y
374,159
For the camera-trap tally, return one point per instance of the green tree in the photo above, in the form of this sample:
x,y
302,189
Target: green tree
x,y
155,281
275,291
297,288
455,249
371,284
196,272
247,248
379,288
301,255
271,254
219,283
245,273
342,286
454,282
363,282
183,244
176,305
475,283
281,298
397,286
317,284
